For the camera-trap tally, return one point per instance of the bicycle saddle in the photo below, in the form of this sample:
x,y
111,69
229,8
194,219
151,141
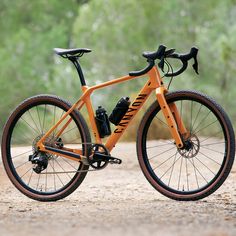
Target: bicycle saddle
x,y
77,52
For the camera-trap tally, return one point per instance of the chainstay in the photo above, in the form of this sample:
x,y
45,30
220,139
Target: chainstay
x,y
68,172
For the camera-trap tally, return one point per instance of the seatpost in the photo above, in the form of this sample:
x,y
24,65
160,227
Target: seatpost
x,y
74,60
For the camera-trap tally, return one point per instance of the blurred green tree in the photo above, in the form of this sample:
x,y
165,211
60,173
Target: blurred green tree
x,y
118,32
29,31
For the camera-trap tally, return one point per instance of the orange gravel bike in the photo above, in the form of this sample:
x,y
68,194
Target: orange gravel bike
x,y
185,141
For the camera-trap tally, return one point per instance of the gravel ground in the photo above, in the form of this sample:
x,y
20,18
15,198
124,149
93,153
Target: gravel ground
x,y
118,201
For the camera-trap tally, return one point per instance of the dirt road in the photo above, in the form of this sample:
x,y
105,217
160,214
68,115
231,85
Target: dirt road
x,y
118,201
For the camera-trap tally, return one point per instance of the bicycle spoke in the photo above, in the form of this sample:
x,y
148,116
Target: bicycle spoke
x,y
162,153
64,159
22,164
195,172
172,168
72,141
164,162
62,113
160,145
39,175
30,176
19,139
34,121
209,144
186,165
21,154
169,168
30,126
214,135
196,169
54,121
26,172
63,169
180,171
205,127
205,166
39,120
69,130
201,121
191,116
55,131
46,180
56,175
44,117
212,150
210,158
196,117
162,122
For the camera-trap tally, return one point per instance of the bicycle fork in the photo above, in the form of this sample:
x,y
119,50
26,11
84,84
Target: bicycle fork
x,y
172,117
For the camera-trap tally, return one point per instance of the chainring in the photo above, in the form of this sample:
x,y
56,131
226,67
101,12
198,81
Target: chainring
x,y
98,164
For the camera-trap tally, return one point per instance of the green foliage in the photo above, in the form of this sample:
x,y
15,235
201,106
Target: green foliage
x,y
29,31
117,32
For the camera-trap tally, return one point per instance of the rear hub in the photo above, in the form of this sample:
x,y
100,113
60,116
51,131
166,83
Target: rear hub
x,y
40,159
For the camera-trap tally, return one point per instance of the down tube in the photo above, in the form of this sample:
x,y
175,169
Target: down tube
x,y
129,115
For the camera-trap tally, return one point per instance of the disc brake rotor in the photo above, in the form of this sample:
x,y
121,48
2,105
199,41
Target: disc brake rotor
x,y
191,147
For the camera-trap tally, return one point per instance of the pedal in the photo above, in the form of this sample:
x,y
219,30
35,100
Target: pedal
x,y
114,160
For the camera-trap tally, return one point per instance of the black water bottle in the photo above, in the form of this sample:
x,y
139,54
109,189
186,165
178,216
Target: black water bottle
x,y
119,111
102,122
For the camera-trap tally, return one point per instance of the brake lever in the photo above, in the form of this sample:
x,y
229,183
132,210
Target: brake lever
x,y
161,64
195,65
193,53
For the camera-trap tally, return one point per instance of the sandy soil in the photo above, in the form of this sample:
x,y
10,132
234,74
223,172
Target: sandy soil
x,y
118,201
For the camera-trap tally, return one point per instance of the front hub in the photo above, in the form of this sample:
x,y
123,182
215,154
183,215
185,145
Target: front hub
x,y
191,147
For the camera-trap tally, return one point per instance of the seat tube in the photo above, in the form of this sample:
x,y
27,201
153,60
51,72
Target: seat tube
x,y
92,119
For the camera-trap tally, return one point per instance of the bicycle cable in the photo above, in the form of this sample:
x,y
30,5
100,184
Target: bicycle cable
x,y
170,68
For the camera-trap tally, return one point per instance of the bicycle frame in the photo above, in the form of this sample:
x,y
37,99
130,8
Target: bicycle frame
x,y
173,119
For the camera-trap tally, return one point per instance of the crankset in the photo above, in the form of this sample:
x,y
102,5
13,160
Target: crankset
x,y
101,157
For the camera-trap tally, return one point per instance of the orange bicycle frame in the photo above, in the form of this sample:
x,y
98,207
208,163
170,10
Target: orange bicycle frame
x,y
172,117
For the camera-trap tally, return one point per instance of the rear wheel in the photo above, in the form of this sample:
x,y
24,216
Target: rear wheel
x,y
54,177
201,167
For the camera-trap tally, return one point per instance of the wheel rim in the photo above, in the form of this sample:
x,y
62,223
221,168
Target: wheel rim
x,y
194,168
29,125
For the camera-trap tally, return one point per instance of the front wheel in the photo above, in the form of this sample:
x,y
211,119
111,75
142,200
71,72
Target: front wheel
x,y
201,167
53,177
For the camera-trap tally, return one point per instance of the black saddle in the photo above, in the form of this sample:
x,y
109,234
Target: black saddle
x,y
74,52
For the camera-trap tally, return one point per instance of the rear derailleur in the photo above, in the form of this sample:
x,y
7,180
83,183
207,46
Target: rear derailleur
x,y
100,157
40,160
